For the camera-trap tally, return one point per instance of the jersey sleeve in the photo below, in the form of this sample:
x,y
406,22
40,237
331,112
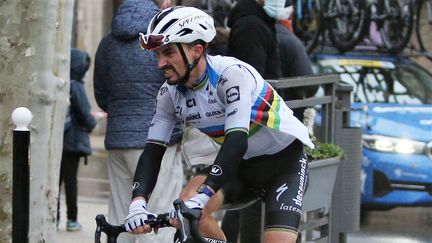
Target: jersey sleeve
x,y
164,117
235,91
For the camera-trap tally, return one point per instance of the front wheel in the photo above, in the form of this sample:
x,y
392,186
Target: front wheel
x,y
346,20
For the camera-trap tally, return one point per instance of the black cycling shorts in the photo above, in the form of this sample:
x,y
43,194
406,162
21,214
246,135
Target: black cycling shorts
x,y
280,179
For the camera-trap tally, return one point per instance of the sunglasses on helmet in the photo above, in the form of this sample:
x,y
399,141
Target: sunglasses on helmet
x,y
151,42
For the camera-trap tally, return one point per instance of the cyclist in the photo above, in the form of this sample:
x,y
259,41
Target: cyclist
x,y
262,143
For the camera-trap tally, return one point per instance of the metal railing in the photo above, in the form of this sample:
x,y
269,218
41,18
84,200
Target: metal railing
x,y
327,101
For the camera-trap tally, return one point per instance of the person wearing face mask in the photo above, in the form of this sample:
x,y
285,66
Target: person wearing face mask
x,y
255,38
294,60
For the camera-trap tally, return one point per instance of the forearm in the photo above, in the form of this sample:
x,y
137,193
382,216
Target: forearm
x,y
147,170
228,160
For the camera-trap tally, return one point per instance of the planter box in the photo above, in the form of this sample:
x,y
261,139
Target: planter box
x,y
317,202
322,176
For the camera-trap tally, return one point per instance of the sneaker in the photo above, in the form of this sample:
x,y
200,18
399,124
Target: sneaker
x,y
73,226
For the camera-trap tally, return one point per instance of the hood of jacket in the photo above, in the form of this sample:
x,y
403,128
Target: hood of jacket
x,y
246,8
128,20
80,63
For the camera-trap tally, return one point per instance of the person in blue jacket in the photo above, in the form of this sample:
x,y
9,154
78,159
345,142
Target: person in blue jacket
x,y
126,82
76,142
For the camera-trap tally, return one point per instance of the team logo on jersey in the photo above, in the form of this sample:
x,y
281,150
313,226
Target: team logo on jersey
x,y
212,101
179,110
215,113
163,90
232,94
281,190
135,186
190,103
193,116
222,80
216,170
232,112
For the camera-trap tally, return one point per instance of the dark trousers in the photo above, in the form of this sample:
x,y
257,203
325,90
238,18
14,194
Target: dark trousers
x,y
68,176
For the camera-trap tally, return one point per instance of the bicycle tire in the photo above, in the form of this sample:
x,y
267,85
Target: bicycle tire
x,y
423,23
308,25
346,22
397,27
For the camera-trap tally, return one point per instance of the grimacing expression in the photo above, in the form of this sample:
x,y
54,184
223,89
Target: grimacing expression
x,y
171,63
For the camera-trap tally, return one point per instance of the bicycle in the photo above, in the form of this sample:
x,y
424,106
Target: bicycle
x,y
346,20
394,22
423,23
342,19
187,233
307,22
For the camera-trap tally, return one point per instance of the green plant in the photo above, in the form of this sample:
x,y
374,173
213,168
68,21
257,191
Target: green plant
x,y
324,151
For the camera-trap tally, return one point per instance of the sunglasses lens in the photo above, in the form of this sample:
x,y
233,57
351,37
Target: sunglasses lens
x,y
151,42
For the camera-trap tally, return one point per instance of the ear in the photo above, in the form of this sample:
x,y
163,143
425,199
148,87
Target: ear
x,y
198,50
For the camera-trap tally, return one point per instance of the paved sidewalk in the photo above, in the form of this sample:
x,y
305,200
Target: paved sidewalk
x,y
88,208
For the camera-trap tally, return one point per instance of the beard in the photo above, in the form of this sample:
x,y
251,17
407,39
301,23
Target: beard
x,y
172,79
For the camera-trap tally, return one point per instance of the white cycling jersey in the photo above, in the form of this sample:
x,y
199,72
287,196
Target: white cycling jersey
x,y
230,95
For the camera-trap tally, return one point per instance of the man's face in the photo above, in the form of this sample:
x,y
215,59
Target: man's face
x,y
171,63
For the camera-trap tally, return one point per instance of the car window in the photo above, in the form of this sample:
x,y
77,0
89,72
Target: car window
x,y
400,84
417,81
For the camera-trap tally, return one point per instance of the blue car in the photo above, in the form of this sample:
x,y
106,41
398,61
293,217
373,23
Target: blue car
x,y
392,103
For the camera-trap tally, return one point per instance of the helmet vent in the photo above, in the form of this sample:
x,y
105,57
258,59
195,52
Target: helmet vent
x,y
158,18
202,26
167,25
184,32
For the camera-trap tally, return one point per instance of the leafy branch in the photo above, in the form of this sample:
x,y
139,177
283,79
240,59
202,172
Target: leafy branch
x,y
324,151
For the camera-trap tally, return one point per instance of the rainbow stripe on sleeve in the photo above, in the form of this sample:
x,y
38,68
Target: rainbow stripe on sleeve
x,y
265,111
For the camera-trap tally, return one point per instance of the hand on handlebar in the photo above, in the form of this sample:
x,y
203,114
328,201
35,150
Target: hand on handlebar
x,y
138,214
198,201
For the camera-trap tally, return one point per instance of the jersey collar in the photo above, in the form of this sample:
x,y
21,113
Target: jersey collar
x,y
202,80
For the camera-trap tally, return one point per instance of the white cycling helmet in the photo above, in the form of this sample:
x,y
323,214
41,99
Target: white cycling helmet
x,y
178,25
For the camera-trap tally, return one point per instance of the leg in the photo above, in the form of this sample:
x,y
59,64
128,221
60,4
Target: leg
x,y
69,167
59,191
208,225
284,177
279,237
167,189
284,202
121,170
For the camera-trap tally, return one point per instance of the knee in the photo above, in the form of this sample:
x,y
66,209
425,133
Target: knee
x,y
206,220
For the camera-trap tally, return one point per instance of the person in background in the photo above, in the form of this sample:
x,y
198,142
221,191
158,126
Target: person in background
x,y
295,61
126,82
79,123
253,37
253,40
259,37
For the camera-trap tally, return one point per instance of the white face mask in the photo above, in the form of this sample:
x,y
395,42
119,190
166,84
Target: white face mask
x,y
277,10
